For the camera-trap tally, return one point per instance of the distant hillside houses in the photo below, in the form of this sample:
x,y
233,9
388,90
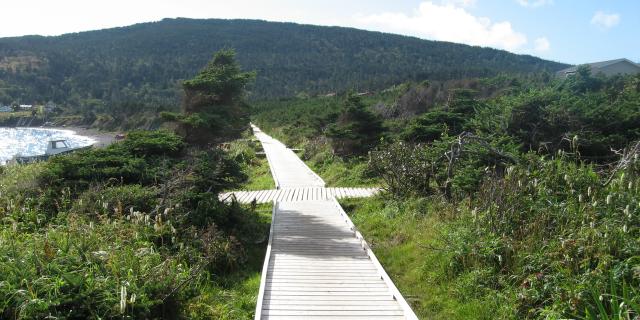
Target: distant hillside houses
x,y
608,68
49,107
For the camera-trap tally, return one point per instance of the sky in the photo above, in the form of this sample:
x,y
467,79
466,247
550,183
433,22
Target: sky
x,y
571,31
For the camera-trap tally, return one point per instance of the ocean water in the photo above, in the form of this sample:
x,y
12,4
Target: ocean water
x,y
33,141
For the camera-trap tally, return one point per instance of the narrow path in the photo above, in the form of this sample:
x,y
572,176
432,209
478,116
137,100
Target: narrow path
x,y
317,265
287,169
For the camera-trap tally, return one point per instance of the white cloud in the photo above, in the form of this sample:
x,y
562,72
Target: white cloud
x,y
605,20
463,3
534,3
446,22
542,44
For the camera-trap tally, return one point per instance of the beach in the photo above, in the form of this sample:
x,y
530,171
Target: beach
x,y
102,138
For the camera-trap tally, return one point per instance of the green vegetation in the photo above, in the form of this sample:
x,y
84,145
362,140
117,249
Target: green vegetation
x,y
113,76
213,106
134,230
406,237
356,129
256,167
509,198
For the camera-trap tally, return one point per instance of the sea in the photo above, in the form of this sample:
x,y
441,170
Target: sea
x,y
33,141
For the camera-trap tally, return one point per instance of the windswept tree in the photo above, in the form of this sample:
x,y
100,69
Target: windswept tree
x,y
356,131
214,107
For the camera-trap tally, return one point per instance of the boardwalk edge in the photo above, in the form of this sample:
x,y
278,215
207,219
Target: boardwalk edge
x,y
409,314
265,266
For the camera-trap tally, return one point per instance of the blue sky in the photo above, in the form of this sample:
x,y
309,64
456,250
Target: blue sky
x,y
572,31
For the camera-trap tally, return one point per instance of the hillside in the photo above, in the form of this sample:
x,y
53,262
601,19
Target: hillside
x,y
141,65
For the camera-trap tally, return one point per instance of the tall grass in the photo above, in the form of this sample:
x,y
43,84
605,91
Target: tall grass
x,y
82,244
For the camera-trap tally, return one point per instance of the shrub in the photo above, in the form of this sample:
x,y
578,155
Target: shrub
x,y
152,143
405,168
356,130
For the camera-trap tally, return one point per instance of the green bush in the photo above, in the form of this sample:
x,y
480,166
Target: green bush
x,y
152,143
356,129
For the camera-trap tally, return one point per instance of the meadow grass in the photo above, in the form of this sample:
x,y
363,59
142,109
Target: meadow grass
x,y
254,165
259,176
406,241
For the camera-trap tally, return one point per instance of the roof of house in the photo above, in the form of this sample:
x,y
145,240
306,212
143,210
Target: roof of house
x,y
597,65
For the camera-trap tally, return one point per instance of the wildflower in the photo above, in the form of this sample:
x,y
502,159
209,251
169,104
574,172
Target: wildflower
x,y
627,211
123,298
100,255
624,228
509,170
609,199
580,198
589,191
144,251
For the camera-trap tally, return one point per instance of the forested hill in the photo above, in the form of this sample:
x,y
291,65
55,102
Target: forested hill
x,y
143,63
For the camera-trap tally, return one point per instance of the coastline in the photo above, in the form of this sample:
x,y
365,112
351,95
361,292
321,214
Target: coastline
x,y
33,146
102,138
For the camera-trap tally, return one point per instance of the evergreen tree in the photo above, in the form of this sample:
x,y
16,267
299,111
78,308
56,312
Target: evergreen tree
x,y
356,130
214,107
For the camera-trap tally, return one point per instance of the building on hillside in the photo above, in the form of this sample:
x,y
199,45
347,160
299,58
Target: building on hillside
x,y
26,107
608,68
6,109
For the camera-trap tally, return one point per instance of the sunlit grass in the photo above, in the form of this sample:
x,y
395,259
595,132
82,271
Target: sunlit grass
x,y
405,240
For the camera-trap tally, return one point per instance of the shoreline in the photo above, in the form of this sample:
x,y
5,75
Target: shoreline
x,y
102,138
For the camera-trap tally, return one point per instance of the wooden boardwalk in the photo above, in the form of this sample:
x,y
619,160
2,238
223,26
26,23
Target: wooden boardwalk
x,y
287,169
317,265
298,194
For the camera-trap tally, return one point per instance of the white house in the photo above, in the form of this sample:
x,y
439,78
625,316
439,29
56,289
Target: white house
x,y
608,68
26,107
